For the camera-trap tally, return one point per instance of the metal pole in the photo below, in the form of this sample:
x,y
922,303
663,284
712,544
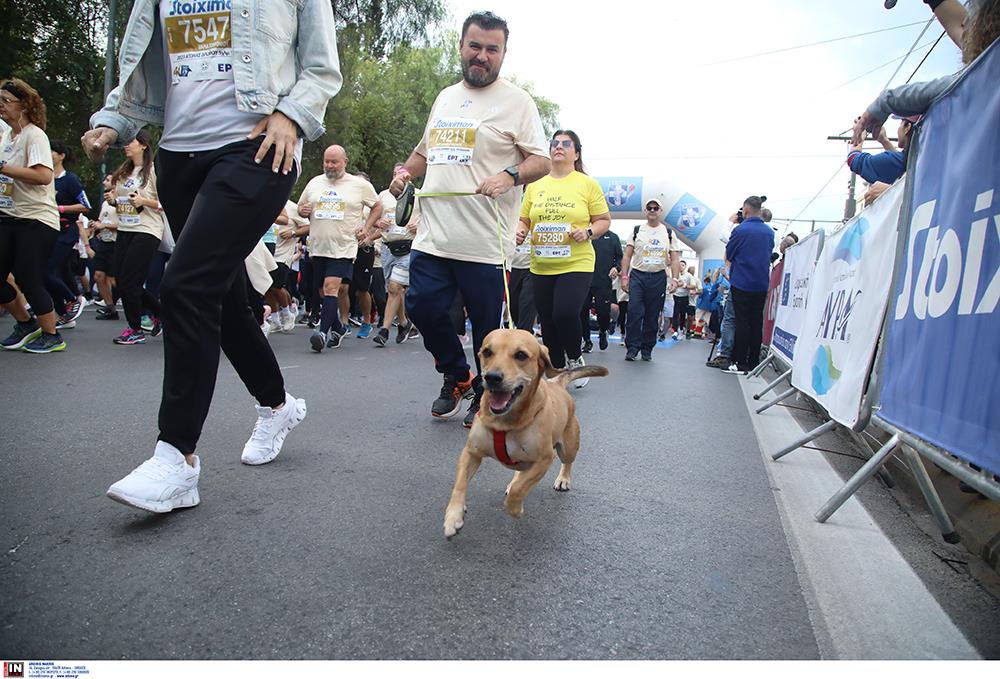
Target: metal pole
x,y
772,385
931,497
862,475
781,397
761,366
851,208
109,63
814,434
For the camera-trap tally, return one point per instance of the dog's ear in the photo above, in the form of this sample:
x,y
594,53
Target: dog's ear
x,y
545,363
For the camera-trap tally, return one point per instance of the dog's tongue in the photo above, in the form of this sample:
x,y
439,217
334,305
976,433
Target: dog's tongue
x,y
499,400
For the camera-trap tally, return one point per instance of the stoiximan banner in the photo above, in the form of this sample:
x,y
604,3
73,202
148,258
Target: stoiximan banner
x,y
800,262
940,375
847,299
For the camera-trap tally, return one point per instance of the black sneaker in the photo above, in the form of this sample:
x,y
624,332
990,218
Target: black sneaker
x,y
317,341
23,334
631,354
647,357
602,341
449,402
65,321
588,346
106,313
477,396
74,309
381,338
334,338
156,329
403,332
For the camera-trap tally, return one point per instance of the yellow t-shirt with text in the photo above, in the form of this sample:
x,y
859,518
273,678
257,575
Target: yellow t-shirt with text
x,y
556,207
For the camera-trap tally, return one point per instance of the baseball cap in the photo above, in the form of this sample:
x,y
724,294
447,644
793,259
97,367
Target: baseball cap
x,y
909,119
653,200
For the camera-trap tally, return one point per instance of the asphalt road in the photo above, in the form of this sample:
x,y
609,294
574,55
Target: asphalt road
x,y
670,544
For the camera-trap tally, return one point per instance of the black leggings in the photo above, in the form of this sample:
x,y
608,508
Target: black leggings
x,y
600,298
133,255
558,299
25,245
680,313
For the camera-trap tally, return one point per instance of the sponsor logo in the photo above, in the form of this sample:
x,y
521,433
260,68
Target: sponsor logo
x,y
182,71
199,7
824,372
13,668
851,245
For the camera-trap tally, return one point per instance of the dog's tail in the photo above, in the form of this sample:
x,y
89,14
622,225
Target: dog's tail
x,y
566,376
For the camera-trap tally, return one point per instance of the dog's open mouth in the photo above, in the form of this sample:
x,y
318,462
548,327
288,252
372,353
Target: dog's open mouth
x,y
502,401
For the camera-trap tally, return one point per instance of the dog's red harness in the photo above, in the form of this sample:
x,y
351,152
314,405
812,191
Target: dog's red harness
x,y
500,450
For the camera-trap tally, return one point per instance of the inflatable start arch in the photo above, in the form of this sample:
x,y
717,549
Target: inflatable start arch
x,y
698,226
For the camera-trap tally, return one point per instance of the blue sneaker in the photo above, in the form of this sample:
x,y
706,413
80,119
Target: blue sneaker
x,y
146,323
365,331
23,333
45,344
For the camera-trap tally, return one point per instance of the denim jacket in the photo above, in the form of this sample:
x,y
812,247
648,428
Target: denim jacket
x,y
284,59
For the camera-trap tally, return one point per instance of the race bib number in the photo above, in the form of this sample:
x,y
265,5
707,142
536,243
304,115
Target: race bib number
x,y
452,141
654,256
523,248
551,240
6,192
330,206
200,46
127,214
397,230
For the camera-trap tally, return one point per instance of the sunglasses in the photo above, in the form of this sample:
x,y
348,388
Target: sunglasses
x,y
565,143
650,208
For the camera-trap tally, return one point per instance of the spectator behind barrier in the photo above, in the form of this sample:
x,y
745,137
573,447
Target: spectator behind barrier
x,y
888,166
981,27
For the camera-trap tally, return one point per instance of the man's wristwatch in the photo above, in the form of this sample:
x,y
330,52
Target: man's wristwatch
x,y
512,171
590,234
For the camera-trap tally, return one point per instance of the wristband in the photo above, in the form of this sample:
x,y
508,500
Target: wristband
x,y
933,4
62,208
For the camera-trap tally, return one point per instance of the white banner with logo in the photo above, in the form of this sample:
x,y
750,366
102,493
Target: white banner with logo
x,y
800,262
847,298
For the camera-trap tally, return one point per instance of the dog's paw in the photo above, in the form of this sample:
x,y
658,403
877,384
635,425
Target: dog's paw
x,y
514,507
453,522
562,484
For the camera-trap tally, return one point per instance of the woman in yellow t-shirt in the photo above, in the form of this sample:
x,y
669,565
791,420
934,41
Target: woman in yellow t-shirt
x,y
561,213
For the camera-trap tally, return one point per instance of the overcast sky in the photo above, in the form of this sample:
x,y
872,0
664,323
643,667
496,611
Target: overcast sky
x,y
636,80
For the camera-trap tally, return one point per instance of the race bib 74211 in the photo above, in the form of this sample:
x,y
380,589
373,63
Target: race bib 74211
x,y
451,141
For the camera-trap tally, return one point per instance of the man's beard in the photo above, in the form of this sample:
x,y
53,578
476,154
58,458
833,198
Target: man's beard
x,y
333,175
476,80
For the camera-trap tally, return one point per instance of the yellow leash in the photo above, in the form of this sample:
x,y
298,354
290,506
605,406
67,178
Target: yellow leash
x,y
503,256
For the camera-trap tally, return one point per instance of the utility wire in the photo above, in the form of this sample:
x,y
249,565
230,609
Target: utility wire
x,y
811,44
912,48
877,68
813,199
943,33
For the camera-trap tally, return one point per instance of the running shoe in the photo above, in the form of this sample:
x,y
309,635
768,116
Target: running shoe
x,y
286,320
381,338
354,320
106,313
477,396
414,333
734,369
22,334
403,332
347,330
130,336
588,346
161,484
271,429
334,338
146,323
365,331
631,354
602,340
45,344
647,356
578,363
65,321
449,402
157,328
674,337
75,308
317,341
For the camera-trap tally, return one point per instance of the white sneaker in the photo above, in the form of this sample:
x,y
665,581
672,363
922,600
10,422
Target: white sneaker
x,y
161,484
733,369
674,337
286,320
581,382
271,429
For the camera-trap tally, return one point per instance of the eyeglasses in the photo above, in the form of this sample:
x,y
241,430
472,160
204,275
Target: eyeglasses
x,y
565,143
651,208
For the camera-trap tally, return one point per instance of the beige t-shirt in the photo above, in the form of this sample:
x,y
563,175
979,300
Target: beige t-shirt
x,y
394,233
284,248
472,134
108,216
18,198
651,248
130,219
338,211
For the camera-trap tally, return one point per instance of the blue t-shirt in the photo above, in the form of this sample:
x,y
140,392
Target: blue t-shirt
x,y
749,254
69,191
881,167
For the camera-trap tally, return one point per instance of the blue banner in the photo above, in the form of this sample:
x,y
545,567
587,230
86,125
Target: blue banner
x,y
624,194
689,217
941,372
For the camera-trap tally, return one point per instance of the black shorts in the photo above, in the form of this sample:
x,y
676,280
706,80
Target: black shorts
x,y
77,265
280,275
363,264
328,267
104,256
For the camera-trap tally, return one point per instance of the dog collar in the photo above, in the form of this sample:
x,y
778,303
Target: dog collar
x,y
500,450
